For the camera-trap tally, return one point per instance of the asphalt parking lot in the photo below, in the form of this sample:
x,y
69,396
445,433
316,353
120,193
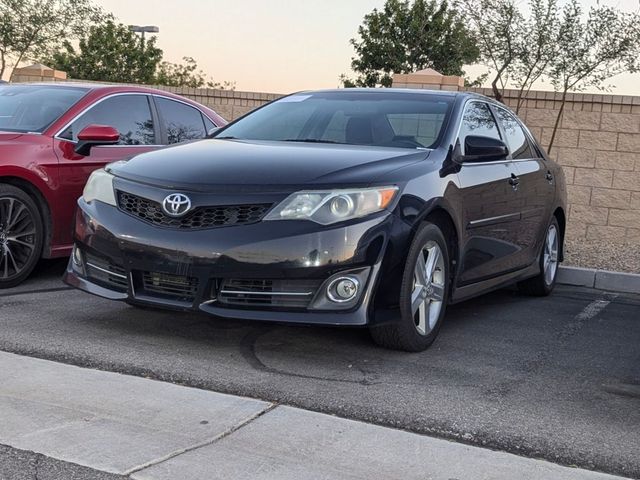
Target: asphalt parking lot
x,y
555,378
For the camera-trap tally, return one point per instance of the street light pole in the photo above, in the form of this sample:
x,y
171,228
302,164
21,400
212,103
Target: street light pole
x,y
142,30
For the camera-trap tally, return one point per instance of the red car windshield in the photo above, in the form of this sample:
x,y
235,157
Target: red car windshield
x,y
32,108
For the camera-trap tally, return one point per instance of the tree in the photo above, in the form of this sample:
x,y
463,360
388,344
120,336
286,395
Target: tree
x,y
109,52
591,50
406,36
187,74
517,48
539,47
30,28
494,24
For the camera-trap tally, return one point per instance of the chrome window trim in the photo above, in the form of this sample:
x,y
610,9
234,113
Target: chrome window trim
x,y
120,94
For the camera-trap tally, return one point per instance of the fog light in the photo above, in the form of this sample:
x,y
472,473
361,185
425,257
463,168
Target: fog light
x,y
76,260
343,289
77,257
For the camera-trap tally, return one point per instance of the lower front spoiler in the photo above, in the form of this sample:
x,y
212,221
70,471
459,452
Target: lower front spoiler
x,y
359,316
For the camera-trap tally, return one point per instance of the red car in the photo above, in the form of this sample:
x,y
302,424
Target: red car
x,y
52,136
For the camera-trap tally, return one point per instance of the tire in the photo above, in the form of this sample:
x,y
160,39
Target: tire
x,y
416,329
543,284
21,236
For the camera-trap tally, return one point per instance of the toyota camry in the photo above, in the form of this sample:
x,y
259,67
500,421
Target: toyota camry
x,y
358,207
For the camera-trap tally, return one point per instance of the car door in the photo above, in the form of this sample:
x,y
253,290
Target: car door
x,y
491,211
136,121
536,189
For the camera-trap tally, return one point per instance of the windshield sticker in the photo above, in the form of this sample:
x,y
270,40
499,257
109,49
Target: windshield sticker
x,y
294,99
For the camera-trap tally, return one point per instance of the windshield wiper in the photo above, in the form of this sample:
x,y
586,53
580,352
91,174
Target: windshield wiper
x,y
309,140
224,138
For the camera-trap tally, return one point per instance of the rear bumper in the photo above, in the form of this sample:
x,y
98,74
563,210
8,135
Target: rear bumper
x,y
287,253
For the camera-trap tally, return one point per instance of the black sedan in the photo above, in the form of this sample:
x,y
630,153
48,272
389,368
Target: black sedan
x,y
353,207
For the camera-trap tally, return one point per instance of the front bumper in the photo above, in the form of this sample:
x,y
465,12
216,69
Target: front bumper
x,y
133,261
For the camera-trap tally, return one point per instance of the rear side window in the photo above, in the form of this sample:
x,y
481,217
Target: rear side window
x,y
478,120
181,121
516,138
129,114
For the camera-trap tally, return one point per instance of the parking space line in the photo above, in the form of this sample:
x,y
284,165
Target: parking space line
x,y
594,308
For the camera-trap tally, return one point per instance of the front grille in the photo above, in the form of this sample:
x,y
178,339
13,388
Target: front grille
x,y
267,293
199,218
173,287
105,272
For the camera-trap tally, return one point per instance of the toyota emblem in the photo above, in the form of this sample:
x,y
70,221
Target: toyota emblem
x,y
176,205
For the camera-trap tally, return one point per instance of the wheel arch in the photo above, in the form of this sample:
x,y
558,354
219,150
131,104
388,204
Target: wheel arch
x,y
43,205
444,220
562,222
439,212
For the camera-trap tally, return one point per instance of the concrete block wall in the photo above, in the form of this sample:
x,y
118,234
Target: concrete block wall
x,y
230,104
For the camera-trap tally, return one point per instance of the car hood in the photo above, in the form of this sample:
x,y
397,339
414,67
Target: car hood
x,y
264,165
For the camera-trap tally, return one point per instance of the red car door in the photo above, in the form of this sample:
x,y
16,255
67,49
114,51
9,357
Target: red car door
x,y
135,119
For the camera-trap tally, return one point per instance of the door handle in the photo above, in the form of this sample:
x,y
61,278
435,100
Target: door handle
x,y
514,181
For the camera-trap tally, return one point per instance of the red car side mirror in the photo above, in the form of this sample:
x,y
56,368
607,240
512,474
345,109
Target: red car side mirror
x,y
94,135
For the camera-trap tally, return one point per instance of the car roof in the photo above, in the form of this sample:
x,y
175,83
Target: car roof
x,y
441,93
90,86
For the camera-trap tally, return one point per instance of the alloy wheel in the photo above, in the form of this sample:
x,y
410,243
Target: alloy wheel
x,y
17,237
550,255
427,296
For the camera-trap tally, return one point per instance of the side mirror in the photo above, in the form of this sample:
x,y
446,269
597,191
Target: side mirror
x,y
484,149
95,135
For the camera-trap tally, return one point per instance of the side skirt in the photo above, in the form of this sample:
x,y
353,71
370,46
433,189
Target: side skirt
x,y
461,294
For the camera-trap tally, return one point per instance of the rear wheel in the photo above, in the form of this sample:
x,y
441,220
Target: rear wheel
x,y
423,295
543,284
21,236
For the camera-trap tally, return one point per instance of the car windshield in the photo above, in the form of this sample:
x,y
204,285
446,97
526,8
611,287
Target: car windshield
x,y
32,108
374,118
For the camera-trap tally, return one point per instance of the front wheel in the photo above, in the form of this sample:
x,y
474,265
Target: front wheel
x,y
544,283
423,294
21,236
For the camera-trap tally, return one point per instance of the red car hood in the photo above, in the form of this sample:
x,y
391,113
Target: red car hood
x,y
7,136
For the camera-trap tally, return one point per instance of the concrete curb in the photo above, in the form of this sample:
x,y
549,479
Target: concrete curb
x,y
599,279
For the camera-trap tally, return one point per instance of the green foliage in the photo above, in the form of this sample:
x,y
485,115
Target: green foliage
x,y
571,48
496,24
187,74
591,48
109,52
30,28
406,36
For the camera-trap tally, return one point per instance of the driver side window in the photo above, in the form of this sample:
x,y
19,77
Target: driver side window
x,y
129,114
478,120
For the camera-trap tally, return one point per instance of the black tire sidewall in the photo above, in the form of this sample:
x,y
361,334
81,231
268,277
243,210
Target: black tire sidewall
x,y
13,192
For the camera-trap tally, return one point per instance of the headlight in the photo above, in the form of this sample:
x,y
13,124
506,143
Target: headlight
x,y
100,187
331,206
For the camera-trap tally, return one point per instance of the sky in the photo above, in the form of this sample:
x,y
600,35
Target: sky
x,y
277,46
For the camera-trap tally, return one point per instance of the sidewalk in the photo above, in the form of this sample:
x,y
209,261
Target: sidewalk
x,y
148,430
